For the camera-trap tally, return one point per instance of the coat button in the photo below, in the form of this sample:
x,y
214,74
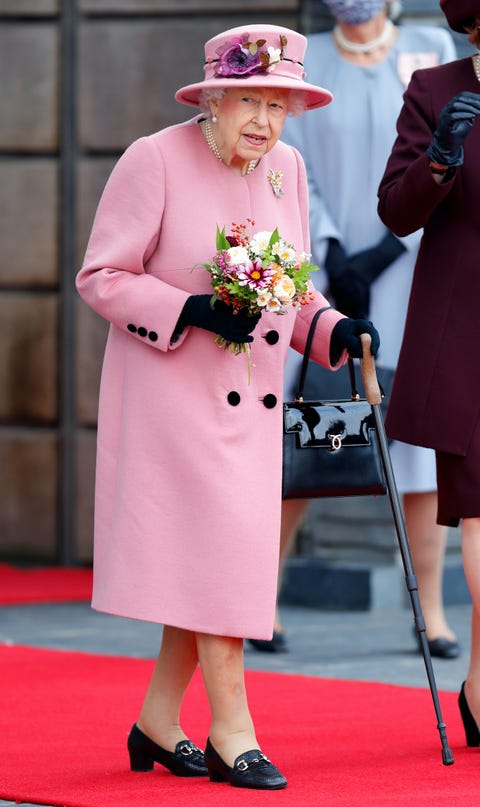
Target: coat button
x,y
142,331
270,401
153,336
233,398
272,337
131,328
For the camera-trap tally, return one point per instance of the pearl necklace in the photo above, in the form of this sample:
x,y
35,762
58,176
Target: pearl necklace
x,y
364,47
476,64
208,135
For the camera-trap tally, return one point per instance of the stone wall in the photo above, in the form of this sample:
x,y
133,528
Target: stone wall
x,y
81,79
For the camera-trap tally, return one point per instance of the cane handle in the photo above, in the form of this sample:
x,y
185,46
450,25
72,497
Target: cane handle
x,y
369,374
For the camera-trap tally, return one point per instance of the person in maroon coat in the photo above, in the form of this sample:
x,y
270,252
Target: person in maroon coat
x,y
432,180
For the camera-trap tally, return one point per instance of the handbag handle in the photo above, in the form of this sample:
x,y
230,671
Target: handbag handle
x,y
306,359
369,374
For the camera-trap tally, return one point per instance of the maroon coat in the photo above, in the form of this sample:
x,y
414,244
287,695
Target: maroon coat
x,y
436,397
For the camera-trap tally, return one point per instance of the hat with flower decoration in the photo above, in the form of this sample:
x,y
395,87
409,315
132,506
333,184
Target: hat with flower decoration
x,y
460,13
256,56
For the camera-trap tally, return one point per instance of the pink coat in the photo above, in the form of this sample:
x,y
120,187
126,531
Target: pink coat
x,y
188,480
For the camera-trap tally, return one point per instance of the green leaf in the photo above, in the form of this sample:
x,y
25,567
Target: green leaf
x,y
221,239
275,236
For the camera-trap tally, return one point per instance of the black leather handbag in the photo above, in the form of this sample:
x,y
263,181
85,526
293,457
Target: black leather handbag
x,y
330,448
322,382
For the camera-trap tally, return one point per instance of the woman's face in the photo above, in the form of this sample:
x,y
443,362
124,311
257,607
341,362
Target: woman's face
x,y
249,123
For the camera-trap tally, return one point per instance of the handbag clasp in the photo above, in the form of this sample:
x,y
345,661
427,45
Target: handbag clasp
x,y
335,440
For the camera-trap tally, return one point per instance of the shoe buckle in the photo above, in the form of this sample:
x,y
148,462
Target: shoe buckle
x,y
242,764
186,750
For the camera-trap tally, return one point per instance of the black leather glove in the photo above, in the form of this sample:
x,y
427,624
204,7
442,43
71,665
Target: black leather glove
x,y
346,336
219,318
350,277
455,122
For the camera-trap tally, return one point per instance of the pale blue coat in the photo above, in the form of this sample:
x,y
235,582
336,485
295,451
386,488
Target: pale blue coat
x,y
345,147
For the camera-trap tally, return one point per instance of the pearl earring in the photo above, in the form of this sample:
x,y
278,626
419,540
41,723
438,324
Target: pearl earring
x,y
214,118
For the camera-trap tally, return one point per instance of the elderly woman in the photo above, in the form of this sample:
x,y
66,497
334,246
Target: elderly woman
x,y
188,483
432,180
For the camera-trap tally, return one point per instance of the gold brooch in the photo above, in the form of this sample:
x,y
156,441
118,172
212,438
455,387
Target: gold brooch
x,y
275,179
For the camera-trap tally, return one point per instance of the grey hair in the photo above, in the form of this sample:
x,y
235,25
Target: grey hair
x,y
209,94
297,103
296,99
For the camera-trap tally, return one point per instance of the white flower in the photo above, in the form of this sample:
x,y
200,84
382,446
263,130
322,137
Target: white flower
x,y
274,55
285,253
274,305
260,242
237,255
284,289
304,256
263,298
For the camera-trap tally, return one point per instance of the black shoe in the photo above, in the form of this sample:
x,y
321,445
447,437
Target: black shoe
x,y
444,648
251,769
472,734
441,647
278,644
186,760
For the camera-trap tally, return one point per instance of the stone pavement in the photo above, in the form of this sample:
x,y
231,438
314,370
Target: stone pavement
x,y
375,645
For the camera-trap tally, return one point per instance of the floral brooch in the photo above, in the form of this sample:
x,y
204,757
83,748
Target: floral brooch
x,y
275,179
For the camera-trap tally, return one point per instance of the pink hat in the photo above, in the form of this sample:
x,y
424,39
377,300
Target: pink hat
x,y
460,13
256,56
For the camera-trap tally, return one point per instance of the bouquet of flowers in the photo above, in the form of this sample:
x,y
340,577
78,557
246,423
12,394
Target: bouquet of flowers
x,y
258,272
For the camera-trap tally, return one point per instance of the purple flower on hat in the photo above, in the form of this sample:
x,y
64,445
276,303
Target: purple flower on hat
x,y
236,60
239,57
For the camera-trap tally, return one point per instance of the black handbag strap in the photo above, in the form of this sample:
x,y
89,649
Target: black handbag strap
x,y
306,359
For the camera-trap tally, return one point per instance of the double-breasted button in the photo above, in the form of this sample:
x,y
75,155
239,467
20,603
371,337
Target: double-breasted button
x,y
272,337
132,328
142,331
153,336
270,400
233,398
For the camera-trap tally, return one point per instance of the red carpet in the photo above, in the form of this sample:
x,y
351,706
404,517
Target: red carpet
x,y
64,720
19,586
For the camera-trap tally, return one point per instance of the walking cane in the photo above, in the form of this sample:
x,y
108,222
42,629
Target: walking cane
x,y
374,398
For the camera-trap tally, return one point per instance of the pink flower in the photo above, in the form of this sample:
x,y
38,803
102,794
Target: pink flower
x,y
254,275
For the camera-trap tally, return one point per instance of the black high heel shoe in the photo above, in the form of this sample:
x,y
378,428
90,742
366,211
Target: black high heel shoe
x,y
252,769
186,760
277,644
472,734
440,647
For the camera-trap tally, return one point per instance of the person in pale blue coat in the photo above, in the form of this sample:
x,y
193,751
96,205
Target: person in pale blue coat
x,y
367,61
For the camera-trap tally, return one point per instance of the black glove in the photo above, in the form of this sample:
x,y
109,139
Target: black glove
x,y
335,260
220,319
346,336
350,277
455,121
